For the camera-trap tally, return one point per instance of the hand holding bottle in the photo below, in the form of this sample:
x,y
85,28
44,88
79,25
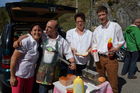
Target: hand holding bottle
x,y
110,47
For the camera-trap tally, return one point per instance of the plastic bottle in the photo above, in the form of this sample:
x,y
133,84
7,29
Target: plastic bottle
x,y
78,85
109,46
69,90
95,55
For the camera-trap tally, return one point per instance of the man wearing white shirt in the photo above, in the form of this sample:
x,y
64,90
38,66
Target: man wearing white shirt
x,y
104,32
54,46
80,40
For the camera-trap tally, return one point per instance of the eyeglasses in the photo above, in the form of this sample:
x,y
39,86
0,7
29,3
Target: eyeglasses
x,y
79,21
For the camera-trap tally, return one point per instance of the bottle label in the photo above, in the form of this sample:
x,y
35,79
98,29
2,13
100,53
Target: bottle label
x,y
94,50
95,55
78,89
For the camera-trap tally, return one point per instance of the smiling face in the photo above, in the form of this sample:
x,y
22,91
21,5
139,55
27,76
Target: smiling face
x,y
51,28
102,15
36,32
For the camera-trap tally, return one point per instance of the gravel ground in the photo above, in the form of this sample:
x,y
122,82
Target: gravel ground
x,y
129,85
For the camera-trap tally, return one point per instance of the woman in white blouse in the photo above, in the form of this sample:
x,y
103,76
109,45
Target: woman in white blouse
x,y
23,62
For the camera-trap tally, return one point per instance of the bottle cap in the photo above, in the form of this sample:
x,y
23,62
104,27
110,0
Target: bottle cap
x,y
94,50
110,40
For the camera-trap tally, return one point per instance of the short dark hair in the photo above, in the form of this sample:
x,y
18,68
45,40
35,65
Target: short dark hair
x,y
32,25
81,15
102,9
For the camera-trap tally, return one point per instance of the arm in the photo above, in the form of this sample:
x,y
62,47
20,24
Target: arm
x,y
137,38
72,65
68,54
14,59
115,49
94,41
120,39
18,43
69,40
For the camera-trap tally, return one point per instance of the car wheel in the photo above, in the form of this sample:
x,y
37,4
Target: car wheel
x,y
121,55
5,89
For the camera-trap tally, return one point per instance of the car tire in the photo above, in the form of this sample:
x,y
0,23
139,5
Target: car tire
x,y
5,89
121,55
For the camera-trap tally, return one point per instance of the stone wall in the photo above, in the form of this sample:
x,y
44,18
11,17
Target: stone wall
x,y
122,11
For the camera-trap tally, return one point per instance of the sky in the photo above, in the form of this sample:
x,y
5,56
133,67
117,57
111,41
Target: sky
x,y
2,2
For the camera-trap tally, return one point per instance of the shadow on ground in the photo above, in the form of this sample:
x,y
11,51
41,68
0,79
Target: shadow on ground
x,y
121,83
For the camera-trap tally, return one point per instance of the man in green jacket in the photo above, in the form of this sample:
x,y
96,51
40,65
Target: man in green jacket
x,y
132,38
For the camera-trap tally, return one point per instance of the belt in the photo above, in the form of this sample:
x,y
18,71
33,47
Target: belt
x,y
103,55
106,56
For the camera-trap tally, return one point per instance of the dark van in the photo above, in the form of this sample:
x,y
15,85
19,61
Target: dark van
x,y
22,15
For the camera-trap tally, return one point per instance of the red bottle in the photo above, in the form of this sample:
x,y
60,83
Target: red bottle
x,y
69,90
109,46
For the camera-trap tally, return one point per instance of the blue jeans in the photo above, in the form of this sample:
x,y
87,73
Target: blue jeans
x,y
130,63
45,88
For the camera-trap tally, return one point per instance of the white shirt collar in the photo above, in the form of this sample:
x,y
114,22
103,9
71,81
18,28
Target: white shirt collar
x,y
106,26
83,30
32,39
133,25
58,36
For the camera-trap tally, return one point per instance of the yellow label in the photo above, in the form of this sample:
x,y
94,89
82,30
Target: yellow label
x,y
110,40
